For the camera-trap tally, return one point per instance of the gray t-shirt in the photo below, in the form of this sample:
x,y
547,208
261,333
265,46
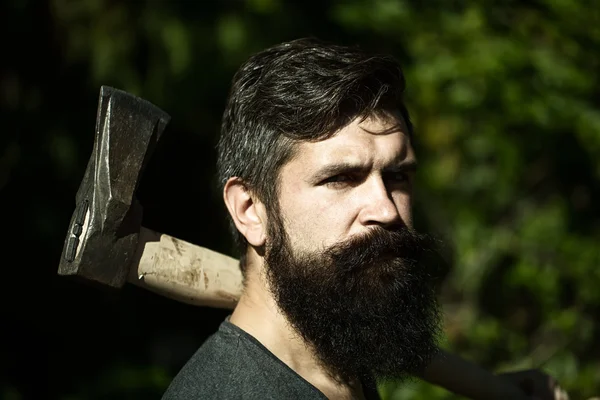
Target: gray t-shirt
x,y
232,364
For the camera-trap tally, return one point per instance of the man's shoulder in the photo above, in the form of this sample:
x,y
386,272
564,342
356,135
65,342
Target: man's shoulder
x,y
208,371
231,364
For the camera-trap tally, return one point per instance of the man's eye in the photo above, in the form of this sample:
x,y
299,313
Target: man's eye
x,y
339,180
398,177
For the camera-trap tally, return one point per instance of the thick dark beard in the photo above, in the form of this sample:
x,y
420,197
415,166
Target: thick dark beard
x,y
366,306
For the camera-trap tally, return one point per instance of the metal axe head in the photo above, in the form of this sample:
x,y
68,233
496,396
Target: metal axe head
x,y
105,225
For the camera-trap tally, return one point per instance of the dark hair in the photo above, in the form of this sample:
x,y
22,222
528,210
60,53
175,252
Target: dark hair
x,y
303,90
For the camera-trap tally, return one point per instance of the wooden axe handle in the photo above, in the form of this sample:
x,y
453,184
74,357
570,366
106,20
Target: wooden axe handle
x,y
196,275
185,272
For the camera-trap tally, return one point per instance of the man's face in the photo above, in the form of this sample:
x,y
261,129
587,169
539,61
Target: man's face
x,y
342,259
343,186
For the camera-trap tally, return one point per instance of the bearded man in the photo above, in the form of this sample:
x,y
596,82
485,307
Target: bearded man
x,y
316,164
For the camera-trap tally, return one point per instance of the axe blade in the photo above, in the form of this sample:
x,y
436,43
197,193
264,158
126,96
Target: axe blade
x,y
104,229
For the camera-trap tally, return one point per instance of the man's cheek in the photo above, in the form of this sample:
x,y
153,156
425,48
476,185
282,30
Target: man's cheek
x,y
403,204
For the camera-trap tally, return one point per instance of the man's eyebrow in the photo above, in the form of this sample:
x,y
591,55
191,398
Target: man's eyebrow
x,y
346,167
404,166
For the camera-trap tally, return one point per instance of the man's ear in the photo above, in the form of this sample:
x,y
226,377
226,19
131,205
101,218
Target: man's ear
x,y
248,214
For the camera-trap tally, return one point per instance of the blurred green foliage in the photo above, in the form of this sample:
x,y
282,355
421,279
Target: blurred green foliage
x,y
505,98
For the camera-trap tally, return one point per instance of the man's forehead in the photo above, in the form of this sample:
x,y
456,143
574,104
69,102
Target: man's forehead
x,y
361,141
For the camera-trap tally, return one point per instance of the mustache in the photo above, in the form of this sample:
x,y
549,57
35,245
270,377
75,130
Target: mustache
x,y
380,244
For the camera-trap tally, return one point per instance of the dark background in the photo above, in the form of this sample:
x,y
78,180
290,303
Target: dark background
x,y
505,100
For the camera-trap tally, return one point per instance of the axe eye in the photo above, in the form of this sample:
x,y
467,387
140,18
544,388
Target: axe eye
x,y
76,230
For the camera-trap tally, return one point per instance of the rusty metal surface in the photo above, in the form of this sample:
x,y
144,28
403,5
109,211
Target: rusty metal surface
x,y
104,229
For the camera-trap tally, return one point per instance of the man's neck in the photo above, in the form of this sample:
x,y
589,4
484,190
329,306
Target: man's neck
x,y
258,314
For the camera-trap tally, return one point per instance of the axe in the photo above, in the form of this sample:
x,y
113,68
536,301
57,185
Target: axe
x,y
106,242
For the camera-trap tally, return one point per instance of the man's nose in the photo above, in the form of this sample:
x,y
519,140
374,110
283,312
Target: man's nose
x,y
378,207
